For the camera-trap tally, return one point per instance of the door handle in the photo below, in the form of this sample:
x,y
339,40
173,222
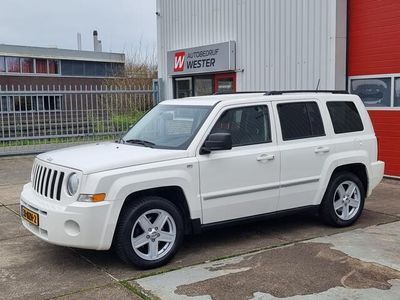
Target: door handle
x,y
322,149
265,157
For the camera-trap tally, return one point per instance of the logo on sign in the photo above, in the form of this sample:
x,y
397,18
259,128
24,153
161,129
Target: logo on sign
x,y
179,62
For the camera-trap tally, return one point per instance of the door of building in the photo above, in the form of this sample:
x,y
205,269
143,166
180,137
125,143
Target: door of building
x,y
183,87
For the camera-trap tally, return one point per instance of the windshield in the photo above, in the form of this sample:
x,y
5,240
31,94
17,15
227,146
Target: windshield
x,y
168,126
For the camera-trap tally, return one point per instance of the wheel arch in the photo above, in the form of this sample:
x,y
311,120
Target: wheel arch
x,y
173,193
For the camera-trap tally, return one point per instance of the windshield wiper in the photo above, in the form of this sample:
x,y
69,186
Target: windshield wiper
x,y
140,142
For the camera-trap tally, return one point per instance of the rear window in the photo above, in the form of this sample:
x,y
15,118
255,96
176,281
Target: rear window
x,y
300,120
345,117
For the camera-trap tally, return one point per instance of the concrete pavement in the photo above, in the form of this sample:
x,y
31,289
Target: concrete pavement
x,y
35,269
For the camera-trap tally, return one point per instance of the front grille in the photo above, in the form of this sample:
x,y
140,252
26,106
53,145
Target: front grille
x,y
47,181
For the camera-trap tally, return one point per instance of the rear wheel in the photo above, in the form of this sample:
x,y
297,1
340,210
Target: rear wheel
x,y
149,232
343,201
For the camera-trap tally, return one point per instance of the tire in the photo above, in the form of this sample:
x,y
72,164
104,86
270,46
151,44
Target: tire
x,y
343,201
149,232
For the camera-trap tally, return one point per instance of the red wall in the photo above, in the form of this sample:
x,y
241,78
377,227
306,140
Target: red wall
x,y
374,48
374,41
387,129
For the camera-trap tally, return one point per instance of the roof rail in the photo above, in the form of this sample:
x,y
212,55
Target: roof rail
x,y
270,93
241,92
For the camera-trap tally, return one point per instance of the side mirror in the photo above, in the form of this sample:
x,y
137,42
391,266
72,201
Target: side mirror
x,y
217,141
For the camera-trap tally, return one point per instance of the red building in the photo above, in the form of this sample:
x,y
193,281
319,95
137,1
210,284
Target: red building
x,y
373,69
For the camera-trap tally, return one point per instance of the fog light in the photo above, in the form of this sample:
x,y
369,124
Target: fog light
x,y
72,228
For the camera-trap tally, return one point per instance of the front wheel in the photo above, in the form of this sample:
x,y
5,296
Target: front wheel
x,y
343,201
149,232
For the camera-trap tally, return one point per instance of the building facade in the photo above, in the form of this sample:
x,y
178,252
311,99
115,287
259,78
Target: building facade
x,y
21,65
212,46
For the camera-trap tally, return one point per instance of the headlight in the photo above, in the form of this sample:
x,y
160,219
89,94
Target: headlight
x,y
72,184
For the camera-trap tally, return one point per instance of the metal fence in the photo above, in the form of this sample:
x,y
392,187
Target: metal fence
x,y
39,118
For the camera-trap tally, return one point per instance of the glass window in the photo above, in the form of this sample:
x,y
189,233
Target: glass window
x,y
203,86
300,120
27,65
183,87
73,68
397,92
247,125
345,117
5,104
168,126
373,92
41,66
13,65
54,66
2,64
225,85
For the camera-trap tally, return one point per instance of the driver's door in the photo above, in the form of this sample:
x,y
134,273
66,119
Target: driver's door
x,y
243,181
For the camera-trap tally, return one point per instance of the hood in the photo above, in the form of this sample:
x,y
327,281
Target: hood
x,y
99,157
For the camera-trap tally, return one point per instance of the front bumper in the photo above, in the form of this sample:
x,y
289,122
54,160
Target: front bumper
x,y
78,224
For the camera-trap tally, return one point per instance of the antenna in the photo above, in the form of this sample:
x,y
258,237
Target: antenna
x,y
319,80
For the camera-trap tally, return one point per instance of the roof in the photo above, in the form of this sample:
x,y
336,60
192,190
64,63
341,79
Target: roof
x,y
214,99
55,53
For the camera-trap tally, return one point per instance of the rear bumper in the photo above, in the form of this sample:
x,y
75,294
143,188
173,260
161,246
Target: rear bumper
x,y
376,175
79,224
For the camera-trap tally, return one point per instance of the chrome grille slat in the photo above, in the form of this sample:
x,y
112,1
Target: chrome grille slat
x,y
47,181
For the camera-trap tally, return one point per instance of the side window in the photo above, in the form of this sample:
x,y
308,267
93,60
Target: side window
x,y
300,120
345,117
247,125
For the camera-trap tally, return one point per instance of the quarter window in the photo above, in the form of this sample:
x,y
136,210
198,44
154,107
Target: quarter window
x,y
247,125
345,117
300,120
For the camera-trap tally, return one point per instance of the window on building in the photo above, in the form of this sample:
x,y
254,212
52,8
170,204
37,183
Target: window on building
x,y
5,105
248,125
47,102
13,64
54,66
372,91
345,117
27,65
397,92
203,86
41,66
2,64
300,120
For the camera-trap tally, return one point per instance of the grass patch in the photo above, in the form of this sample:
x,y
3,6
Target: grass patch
x,y
134,289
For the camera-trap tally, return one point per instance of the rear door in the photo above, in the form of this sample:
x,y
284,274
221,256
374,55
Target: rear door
x,y
243,181
304,150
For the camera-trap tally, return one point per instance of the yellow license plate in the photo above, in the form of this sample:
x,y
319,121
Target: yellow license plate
x,y
30,216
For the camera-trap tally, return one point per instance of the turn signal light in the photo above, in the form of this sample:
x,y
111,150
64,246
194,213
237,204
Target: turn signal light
x,y
92,198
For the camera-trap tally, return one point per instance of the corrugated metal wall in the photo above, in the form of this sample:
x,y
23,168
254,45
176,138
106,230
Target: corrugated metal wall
x,y
280,44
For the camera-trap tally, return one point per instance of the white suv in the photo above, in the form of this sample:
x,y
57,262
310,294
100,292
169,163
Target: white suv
x,y
193,163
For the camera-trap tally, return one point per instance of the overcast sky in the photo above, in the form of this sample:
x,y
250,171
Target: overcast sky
x,y
122,24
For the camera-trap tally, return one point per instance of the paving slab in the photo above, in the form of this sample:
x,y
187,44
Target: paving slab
x,y
385,198
15,169
33,269
110,292
10,194
10,225
236,240
333,267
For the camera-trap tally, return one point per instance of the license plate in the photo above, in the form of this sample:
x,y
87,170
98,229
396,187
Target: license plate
x,y
30,216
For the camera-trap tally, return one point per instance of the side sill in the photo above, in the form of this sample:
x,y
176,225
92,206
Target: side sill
x,y
197,227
